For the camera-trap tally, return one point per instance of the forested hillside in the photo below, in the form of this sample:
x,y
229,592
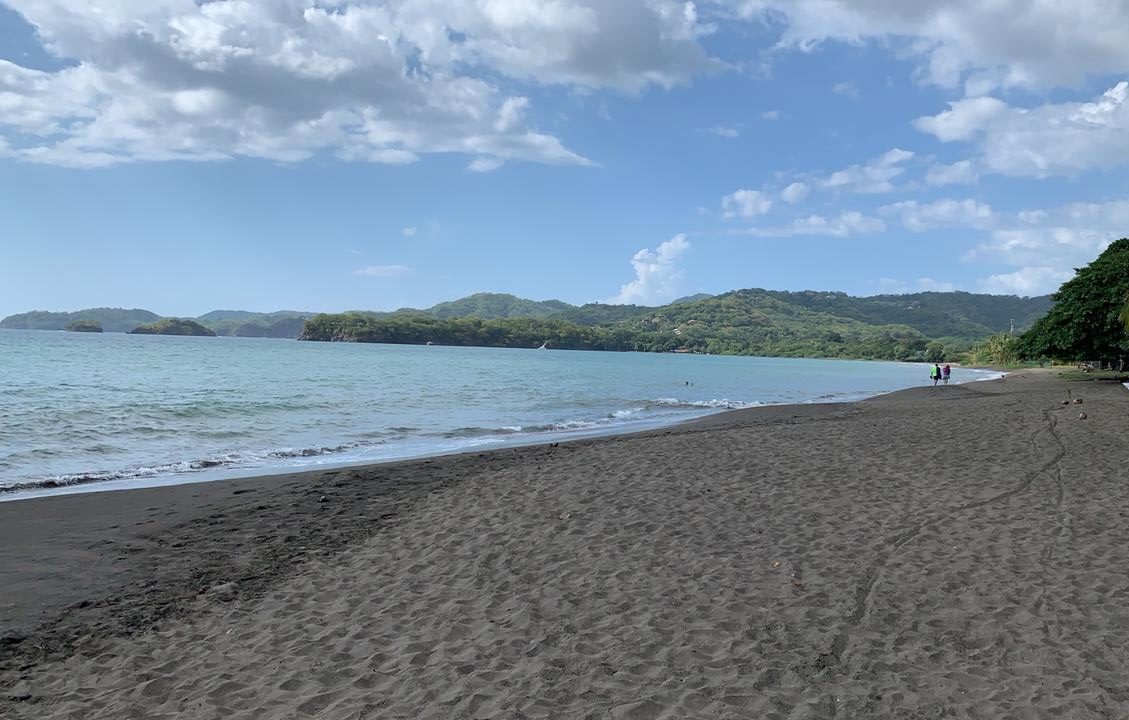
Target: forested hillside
x,y
111,319
752,322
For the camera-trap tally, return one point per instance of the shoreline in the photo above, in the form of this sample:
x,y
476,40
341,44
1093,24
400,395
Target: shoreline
x,y
959,548
30,490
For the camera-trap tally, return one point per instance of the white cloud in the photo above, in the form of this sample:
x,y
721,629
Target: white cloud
x,y
377,81
875,176
1038,280
963,120
745,204
795,192
725,131
890,286
1051,139
846,224
919,217
770,115
846,89
1033,217
1044,245
962,172
658,274
982,45
410,231
485,164
385,271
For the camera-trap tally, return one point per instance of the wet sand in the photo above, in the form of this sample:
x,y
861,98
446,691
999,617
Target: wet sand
x,y
938,552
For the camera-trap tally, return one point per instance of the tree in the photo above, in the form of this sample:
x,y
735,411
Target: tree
x,y
1125,313
1087,320
935,352
1001,349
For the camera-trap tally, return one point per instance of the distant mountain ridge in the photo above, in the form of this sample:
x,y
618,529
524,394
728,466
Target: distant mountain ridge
x,y
740,321
234,323
111,319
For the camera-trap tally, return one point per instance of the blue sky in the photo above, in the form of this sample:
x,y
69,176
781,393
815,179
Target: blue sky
x,y
184,156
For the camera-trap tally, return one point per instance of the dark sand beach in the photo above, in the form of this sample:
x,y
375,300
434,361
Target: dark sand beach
x,y
954,552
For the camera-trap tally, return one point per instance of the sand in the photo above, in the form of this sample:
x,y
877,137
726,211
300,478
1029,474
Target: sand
x,y
958,552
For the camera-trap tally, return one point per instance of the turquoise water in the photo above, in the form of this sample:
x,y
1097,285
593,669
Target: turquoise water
x,y
113,410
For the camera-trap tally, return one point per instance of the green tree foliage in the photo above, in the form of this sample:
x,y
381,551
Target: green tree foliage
x,y
497,306
174,326
935,352
240,323
1124,316
749,322
111,319
1001,350
84,326
735,324
1084,323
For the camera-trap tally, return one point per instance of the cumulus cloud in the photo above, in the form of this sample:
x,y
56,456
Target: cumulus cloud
x,y
795,192
1044,245
876,176
844,225
770,115
377,81
919,217
485,164
980,45
385,271
745,204
410,231
892,286
1029,281
1046,140
725,131
962,172
846,89
658,274
963,120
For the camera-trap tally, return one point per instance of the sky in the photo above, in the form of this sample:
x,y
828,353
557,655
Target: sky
x,y
190,155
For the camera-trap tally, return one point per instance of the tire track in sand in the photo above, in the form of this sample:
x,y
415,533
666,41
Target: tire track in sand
x,y
867,590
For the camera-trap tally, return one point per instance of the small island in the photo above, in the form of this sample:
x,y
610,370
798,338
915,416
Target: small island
x,y
174,326
89,326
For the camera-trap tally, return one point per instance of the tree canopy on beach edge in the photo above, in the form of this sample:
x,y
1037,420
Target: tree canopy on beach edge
x,y
1087,321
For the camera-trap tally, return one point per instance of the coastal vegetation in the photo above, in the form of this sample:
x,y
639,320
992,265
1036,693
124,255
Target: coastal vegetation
x,y
742,322
111,319
920,326
174,326
90,326
241,323
1087,321
235,323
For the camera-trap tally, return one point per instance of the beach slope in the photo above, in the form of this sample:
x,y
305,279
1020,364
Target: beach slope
x,y
938,552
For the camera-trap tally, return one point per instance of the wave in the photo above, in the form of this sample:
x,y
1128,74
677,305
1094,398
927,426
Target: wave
x,y
657,410
135,473
215,462
715,404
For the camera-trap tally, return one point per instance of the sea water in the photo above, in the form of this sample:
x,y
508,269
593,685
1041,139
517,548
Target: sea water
x,y
83,411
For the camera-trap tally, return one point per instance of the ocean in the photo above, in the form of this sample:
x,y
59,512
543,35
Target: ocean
x,y
81,411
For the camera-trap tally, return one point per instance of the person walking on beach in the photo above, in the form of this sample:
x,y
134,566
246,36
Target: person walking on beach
x,y
945,372
935,374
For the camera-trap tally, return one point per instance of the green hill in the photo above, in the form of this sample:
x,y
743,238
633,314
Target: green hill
x,y
496,306
88,326
111,319
174,326
951,314
742,322
241,323
752,321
